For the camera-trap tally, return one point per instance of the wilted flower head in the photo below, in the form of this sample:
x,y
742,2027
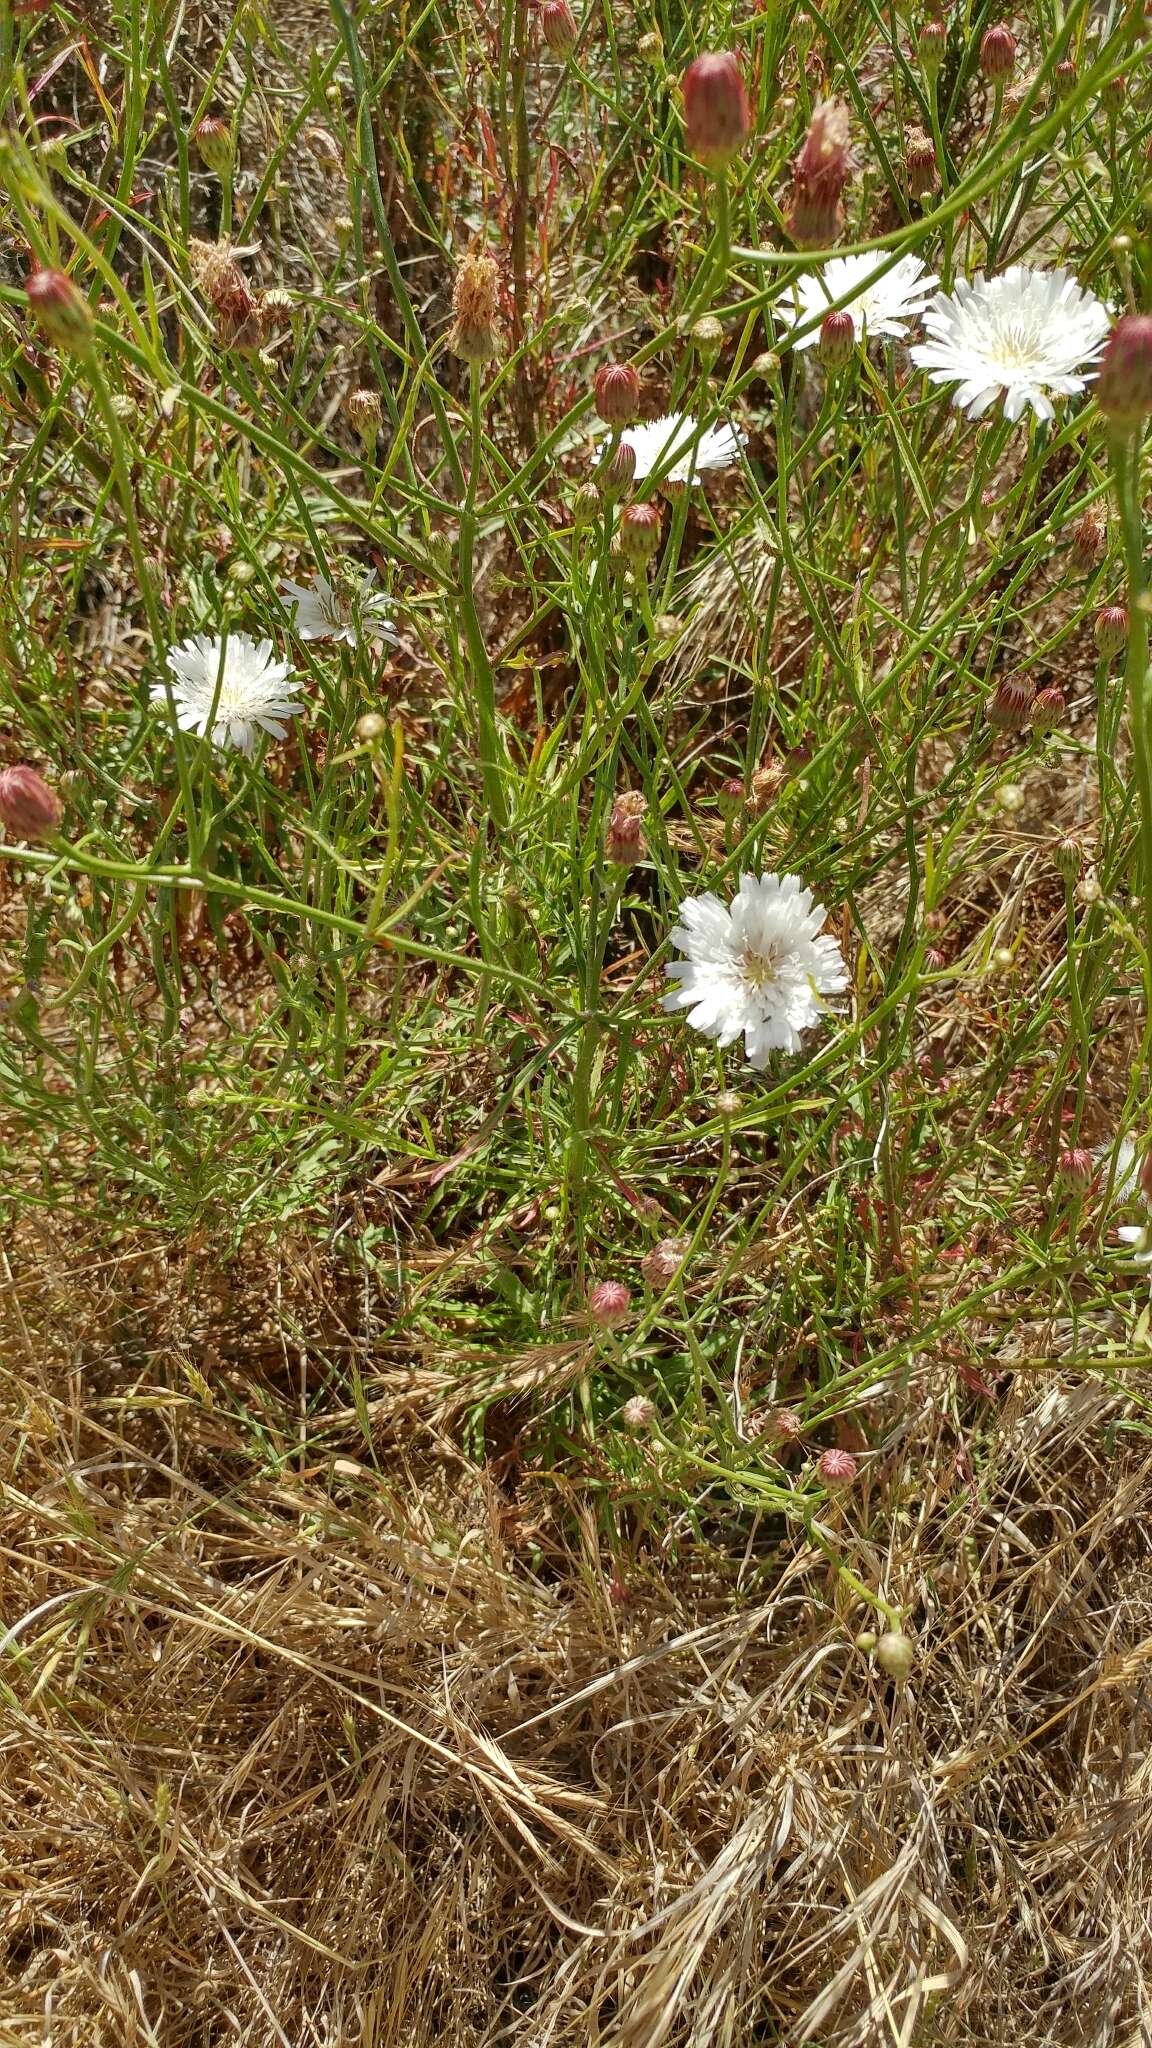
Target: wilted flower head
x,y
876,305
475,332
664,1261
1089,539
1124,385
28,808
228,689
624,841
1026,337
920,165
756,967
348,611
716,115
819,176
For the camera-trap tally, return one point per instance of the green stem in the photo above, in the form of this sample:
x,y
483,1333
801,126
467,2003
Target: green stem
x,y
1125,452
484,682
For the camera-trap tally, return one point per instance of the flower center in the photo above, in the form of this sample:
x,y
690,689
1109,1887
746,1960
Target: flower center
x,y
760,967
1016,347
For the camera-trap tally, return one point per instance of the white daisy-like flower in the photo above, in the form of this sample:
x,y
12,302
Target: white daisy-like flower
x,y
1125,1166
327,611
883,307
757,966
228,689
678,449
1136,1236
1028,336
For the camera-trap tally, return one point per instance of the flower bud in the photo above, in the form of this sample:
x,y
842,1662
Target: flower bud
x,y
624,841
1089,540
836,1468
60,310
617,394
1075,1170
609,1303
558,27
1124,385
650,48
366,413
731,799
1068,859
1008,706
475,332
837,341
931,43
638,1412
620,468
1010,797
708,337
1065,76
667,626
920,163
1114,93
213,139
28,808
819,176
586,505
895,1655
1111,630
639,533
997,52
866,1641
729,1102
1048,711
663,1263
716,116
371,727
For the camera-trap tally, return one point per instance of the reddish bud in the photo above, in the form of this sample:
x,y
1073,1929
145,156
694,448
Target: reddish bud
x,y
1124,385
624,841
819,176
60,310
639,533
837,339
837,1468
664,1261
28,808
1048,711
1008,706
620,467
213,139
998,52
1111,630
558,27
1065,76
1075,1170
920,163
617,394
608,1304
1114,92
717,120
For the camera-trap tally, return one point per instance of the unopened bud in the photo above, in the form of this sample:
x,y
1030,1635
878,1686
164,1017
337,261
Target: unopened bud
x,y
558,27
866,1641
1075,1170
1065,76
895,1655
366,415
729,1103
819,176
638,1412
932,42
997,52
609,1303
766,364
837,341
1124,385
639,533
213,139
619,469
836,1468
708,337
1008,706
28,808
475,332
1114,93
60,310
665,1260
1089,539
920,163
732,798
716,116
1068,859
586,505
1111,630
650,48
624,841
1048,711
617,394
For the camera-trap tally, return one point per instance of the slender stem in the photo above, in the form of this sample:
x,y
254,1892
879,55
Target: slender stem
x,y
491,745
1125,452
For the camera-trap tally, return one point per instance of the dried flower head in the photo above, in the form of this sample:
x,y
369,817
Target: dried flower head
x,y
664,1261
624,841
475,331
819,176
366,413
1089,540
920,167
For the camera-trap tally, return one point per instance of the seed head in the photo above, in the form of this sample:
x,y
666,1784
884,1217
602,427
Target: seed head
x,y
837,341
920,163
1111,630
617,394
366,413
639,533
213,139
624,841
558,27
717,120
819,176
619,469
1124,385
1008,706
932,42
1075,1170
664,1261
895,1655
475,332
998,52
28,808
1068,859
609,1303
837,1468
638,1412
1089,539
1048,711
60,310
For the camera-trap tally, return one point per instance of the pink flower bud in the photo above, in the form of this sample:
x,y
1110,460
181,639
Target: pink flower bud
x,y
1065,76
609,1303
998,52
664,1261
1048,711
558,27
1111,630
837,339
639,533
638,1412
617,393
716,116
28,808
624,841
213,139
1124,385
819,176
1008,706
836,1468
60,310
1075,1170
620,468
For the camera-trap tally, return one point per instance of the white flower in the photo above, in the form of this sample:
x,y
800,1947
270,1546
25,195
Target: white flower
x,y
1136,1235
1027,334
757,967
324,611
884,307
228,688
1125,1168
679,449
